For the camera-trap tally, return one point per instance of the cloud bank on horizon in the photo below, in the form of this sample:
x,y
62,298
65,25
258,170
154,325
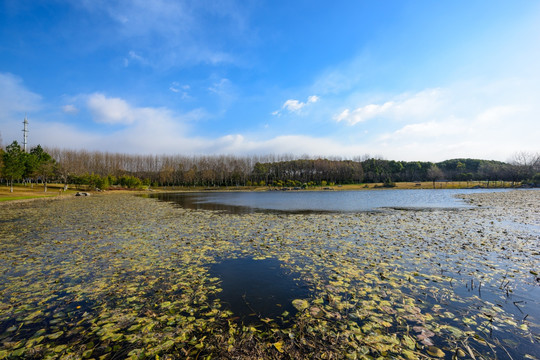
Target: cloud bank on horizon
x,y
410,81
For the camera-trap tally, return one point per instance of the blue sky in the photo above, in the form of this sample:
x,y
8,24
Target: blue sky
x,y
405,80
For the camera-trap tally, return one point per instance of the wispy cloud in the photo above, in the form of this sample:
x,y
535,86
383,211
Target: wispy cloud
x,y
134,57
170,33
182,90
343,77
293,105
15,98
70,109
402,107
221,87
15,101
225,92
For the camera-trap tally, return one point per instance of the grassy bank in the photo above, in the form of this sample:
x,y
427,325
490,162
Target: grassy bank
x,y
431,185
22,192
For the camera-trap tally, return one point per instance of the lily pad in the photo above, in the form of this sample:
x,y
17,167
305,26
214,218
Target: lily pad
x,y
300,304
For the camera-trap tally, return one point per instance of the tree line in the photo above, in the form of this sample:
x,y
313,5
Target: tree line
x,y
104,169
17,164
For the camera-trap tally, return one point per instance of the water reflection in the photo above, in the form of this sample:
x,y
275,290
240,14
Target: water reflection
x,y
199,201
257,289
320,201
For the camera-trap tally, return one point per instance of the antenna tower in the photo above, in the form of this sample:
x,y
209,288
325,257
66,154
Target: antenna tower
x,y
25,133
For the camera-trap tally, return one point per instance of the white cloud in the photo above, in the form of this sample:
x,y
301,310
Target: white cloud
x,y
496,115
313,99
110,110
144,130
403,107
149,130
295,106
298,145
363,113
68,136
488,121
482,120
426,130
456,127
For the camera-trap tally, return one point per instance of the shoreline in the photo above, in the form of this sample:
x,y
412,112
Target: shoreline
x,y
28,195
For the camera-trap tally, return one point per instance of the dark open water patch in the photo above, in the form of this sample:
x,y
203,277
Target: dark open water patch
x,y
258,290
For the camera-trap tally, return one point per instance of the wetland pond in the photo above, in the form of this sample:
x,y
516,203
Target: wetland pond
x,y
321,201
403,274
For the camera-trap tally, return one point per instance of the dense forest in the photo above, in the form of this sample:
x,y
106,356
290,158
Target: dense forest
x,y
103,169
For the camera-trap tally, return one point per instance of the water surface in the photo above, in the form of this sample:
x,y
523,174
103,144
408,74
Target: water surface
x,y
321,201
255,290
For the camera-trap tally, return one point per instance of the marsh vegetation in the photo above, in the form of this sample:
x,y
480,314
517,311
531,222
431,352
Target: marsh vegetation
x,y
121,276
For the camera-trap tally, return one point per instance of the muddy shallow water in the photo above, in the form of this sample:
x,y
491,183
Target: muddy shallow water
x,y
128,277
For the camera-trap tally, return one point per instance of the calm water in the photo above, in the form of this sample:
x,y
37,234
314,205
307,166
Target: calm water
x,y
258,289
320,201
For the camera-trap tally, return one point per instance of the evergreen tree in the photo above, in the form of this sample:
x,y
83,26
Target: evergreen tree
x,y
44,164
1,162
31,163
13,166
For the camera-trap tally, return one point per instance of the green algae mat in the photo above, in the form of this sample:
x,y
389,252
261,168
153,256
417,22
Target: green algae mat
x,y
115,277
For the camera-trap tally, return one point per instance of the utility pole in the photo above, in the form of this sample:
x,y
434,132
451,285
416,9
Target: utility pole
x,y
25,132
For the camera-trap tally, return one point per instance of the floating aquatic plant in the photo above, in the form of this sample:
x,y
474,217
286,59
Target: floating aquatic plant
x,y
127,277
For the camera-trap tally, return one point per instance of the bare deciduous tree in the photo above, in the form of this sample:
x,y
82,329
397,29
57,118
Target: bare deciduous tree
x,y
434,174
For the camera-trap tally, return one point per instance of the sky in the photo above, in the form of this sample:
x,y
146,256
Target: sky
x,y
402,80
